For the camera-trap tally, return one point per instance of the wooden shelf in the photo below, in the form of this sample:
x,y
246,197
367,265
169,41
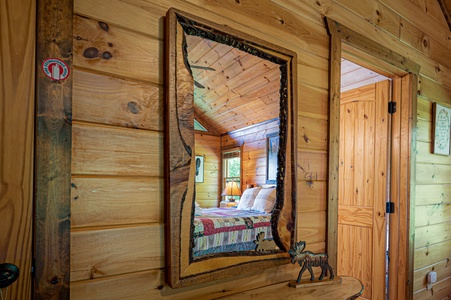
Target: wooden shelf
x,y
349,288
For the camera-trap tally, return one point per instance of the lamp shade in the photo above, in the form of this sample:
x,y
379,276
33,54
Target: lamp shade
x,y
231,189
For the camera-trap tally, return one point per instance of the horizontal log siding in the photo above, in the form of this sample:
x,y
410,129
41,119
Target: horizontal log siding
x,y
118,148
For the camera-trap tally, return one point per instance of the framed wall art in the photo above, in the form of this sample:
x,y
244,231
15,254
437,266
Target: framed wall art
x,y
199,168
272,149
441,129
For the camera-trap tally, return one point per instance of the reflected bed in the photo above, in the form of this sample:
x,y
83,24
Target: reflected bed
x,y
220,230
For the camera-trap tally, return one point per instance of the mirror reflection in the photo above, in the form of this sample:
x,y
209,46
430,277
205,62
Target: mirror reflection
x,y
236,121
238,92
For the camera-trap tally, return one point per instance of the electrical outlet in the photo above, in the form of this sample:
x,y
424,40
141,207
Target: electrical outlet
x,y
432,278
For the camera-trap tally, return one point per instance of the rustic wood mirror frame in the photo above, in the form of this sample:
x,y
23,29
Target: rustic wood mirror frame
x,y
182,270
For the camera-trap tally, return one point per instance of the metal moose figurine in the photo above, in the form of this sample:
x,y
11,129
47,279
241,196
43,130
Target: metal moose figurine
x,y
308,260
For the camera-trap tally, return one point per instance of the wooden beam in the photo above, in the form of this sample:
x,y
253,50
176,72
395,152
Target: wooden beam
x,y
370,47
53,152
409,99
334,139
445,10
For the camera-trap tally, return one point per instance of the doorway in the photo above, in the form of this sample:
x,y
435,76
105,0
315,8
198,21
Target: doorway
x,y
348,44
364,161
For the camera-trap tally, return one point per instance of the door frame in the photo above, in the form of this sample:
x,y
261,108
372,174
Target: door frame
x,y
369,54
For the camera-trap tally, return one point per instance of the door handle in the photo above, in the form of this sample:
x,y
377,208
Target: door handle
x,y
8,274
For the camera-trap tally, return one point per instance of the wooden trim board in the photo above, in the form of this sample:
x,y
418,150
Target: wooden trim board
x,y
53,153
340,34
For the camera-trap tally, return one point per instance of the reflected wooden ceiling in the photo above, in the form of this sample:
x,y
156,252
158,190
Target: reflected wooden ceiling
x,y
232,89
355,76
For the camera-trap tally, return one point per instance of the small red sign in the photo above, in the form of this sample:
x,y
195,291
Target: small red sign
x,y
55,68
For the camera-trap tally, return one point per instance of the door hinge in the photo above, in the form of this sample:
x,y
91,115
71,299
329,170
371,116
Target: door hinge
x,y
33,268
389,207
391,107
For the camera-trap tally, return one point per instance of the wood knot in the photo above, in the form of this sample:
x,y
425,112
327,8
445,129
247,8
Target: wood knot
x,y
104,26
55,280
282,21
107,55
91,52
133,107
425,43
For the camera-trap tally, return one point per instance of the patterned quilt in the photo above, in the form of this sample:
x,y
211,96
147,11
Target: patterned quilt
x,y
228,230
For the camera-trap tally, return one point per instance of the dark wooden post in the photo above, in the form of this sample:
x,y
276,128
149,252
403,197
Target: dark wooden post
x,y
53,150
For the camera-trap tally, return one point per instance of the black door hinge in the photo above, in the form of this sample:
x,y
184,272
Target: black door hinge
x,y
33,268
389,207
391,107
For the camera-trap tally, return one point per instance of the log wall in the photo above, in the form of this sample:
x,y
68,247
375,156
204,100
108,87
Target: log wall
x,y
208,193
117,244
253,142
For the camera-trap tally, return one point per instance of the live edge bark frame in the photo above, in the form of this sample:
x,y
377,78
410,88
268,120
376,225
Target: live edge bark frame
x,y
182,270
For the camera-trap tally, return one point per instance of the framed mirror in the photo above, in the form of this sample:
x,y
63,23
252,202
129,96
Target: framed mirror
x,y
226,82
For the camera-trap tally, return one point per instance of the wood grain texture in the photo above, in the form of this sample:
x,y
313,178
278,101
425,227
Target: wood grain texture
x,y
312,229
357,216
116,151
431,254
312,134
17,85
146,19
333,150
53,154
432,234
356,242
208,192
397,288
152,285
119,102
312,196
441,290
443,272
433,90
344,16
363,166
411,12
111,49
372,48
348,288
433,194
106,201
409,169
135,248
183,270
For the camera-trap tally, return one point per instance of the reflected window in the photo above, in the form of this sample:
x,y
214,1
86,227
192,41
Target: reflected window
x,y
231,165
198,126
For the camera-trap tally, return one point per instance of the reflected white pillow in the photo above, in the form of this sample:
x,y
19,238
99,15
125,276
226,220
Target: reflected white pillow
x,y
265,200
247,198
198,209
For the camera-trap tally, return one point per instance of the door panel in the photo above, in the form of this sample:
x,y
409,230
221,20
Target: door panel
x,y
17,64
362,186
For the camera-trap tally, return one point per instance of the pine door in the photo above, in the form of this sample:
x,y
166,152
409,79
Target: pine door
x,y
362,186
